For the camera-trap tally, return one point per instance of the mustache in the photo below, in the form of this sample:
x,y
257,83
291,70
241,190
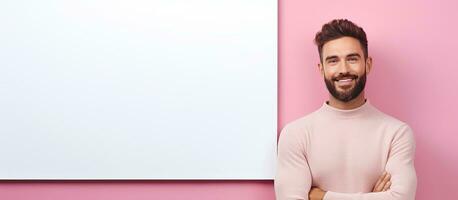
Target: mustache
x,y
345,76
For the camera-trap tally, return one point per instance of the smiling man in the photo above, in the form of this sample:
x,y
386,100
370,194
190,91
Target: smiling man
x,y
347,149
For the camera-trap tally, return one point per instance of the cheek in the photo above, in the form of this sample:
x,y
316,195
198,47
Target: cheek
x,y
329,74
358,69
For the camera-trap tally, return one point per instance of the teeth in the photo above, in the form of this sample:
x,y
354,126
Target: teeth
x,y
346,80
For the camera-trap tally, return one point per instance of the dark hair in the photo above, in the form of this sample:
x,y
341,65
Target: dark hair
x,y
338,28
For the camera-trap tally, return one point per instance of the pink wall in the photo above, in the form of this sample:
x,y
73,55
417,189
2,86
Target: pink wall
x,y
414,46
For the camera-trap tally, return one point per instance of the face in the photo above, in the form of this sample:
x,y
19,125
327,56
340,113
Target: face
x,y
344,68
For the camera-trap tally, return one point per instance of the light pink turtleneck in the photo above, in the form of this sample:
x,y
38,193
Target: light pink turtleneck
x,y
344,152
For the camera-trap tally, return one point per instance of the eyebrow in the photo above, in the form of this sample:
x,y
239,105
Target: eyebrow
x,y
330,57
354,54
349,55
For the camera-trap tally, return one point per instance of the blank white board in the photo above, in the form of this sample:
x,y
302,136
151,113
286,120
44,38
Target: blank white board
x,y
138,89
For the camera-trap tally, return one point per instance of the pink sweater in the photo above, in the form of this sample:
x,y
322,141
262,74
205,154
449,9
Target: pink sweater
x,y
344,152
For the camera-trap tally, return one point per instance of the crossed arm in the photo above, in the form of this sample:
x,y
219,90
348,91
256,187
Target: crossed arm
x,y
382,184
293,179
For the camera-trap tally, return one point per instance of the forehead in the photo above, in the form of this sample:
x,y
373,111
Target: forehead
x,y
342,47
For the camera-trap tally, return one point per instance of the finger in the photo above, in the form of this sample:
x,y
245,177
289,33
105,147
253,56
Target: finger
x,y
382,177
387,178
379,181
387,186
384,182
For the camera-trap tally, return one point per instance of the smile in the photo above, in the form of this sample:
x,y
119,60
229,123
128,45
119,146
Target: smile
x,y
345,82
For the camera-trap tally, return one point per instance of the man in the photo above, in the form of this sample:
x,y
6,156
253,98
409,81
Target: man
x,y
341,150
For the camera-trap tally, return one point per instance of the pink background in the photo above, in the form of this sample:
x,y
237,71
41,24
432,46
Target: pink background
x,y
414,48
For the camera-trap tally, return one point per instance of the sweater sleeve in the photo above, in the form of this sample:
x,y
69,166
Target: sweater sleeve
x,y
293,179
400,165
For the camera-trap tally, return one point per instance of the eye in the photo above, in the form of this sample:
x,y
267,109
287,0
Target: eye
x,y
332,61
353,59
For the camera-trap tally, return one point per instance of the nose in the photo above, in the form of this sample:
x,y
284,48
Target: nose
x,y
343,68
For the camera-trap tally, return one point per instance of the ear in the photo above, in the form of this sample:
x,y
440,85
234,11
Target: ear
x,y
368,64
320,68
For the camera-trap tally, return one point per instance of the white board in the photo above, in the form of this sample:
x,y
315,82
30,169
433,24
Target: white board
x,y
138,89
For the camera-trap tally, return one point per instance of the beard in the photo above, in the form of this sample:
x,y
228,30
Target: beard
x,y
349,94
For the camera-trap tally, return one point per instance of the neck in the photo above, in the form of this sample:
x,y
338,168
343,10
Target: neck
x,y
354,103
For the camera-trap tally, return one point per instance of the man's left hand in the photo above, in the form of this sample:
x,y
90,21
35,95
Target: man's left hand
x,y
316,193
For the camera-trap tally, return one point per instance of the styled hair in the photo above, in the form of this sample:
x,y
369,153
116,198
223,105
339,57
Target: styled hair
x,y
338,28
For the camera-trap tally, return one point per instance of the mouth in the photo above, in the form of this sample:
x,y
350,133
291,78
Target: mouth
x,y
344,81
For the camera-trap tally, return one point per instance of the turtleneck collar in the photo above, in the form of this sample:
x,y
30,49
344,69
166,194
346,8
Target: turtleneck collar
x,y
355,112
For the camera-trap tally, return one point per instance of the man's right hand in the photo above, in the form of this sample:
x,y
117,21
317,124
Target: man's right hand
x,y
383,183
